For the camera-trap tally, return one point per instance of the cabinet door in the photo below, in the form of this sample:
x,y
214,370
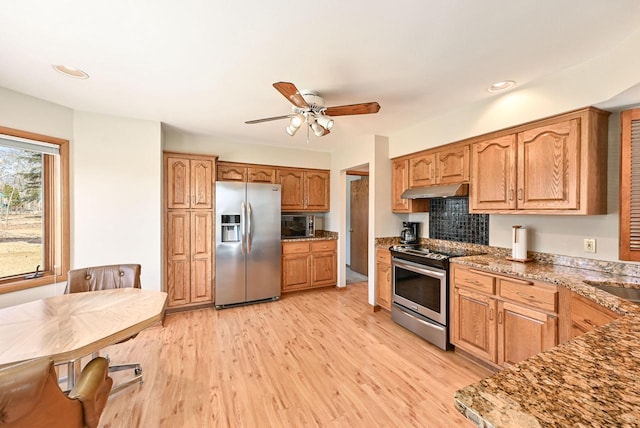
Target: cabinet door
x,y
231,172
201,184
587,315
317,190
295,272
292,182
178,184
493,170
399,183
178,257
452,166
523,332
323,269
548,166
201,256
474,323
422,171
256,174
383,285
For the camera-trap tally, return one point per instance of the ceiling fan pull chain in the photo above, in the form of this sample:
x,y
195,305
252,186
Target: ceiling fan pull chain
x,y
308,126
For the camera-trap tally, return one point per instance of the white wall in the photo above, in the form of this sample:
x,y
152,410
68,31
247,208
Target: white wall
x,y
116,187
240,152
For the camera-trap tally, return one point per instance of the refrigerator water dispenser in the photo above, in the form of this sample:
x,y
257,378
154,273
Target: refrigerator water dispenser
x,y
230,225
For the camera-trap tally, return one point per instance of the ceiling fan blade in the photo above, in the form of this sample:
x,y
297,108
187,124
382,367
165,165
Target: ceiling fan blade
x,y
291,93
362,108
268,119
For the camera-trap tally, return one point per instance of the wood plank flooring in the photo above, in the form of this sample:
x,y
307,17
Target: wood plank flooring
x,y
320,358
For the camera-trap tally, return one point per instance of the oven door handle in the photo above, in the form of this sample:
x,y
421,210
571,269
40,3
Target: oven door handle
x,y
437,273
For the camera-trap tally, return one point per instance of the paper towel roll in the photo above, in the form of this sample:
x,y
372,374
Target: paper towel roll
x,y
519,249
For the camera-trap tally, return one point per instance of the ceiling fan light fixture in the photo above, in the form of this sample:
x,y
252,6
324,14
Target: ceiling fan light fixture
x,y
317,129
325,121
501,86
294,124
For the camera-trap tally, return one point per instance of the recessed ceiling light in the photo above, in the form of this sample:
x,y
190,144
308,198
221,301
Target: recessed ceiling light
x,y
70,71
501,86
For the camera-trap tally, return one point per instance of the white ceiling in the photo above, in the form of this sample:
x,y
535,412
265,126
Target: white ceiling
x,y
205,67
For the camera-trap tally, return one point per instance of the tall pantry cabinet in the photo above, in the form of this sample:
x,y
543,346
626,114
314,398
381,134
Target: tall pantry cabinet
x,y
188,225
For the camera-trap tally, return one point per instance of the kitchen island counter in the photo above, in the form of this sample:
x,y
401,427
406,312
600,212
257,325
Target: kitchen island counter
x,y
592,380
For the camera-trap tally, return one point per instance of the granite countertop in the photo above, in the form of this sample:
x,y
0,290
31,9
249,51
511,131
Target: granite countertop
x,y
321,235
592,380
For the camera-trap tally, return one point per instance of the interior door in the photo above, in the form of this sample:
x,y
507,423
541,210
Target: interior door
x,y
359,219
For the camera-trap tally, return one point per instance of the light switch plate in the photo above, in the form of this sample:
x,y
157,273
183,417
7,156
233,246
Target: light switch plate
x,y
589,245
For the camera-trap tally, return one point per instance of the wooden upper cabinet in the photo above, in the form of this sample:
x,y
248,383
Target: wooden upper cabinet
x,y
452,165
189,182
400,183
258,174
304,190
317,190
548,169
422,170
553,166
292,182
231,172
494,174
228,171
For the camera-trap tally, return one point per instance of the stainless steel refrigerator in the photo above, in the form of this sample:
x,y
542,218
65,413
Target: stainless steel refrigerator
x,y
247,243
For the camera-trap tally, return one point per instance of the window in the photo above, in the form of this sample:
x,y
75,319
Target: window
x,y
34,210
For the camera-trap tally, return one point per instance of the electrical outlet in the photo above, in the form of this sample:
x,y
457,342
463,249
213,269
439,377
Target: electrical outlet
x,y
589,245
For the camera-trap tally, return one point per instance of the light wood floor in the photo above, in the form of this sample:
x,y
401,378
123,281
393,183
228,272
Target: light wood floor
x,y
317,358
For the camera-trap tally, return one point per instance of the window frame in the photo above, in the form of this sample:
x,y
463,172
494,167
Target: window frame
x,y
56,216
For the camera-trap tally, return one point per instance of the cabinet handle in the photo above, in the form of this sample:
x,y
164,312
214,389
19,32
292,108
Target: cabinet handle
x,y
520,194
500,317
511,194
491,314
589,323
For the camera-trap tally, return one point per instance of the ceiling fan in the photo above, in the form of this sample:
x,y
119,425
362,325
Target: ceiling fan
x,y
308,107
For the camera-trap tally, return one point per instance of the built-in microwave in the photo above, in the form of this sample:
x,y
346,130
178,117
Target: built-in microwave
x,y
297,226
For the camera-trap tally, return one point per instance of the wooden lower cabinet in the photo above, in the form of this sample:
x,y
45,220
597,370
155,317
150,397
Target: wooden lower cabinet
x,y
383,278
189,257
501,320
580,315
308,264
474,323
523,332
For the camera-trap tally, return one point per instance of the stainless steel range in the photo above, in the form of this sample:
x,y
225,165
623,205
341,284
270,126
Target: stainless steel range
x,y
421,291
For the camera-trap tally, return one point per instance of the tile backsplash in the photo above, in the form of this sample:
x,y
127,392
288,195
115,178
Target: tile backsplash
x,y
449,219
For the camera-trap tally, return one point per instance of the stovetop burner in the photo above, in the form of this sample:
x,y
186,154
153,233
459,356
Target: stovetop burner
x,y
422,253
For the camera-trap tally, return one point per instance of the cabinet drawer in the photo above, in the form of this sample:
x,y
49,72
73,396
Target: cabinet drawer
x,y
475,280
323,246
541,296
295,247
383,256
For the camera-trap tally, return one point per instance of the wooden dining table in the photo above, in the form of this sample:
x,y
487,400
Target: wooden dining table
x,y
71,326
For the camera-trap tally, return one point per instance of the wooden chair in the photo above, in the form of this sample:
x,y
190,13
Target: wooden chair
x,y
30,395
107,278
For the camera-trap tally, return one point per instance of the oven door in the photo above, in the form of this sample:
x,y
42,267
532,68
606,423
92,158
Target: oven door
x,y
420,288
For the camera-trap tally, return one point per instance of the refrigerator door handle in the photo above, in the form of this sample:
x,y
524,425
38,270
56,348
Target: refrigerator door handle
x,y
249,231
242,228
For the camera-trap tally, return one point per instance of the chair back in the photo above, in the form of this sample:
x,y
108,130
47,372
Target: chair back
x,y
103,278
30,397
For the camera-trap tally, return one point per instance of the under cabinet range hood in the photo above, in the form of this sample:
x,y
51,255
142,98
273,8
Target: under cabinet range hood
x,y
448,190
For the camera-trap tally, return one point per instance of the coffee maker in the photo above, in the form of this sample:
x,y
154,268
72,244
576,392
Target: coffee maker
x,y
409,234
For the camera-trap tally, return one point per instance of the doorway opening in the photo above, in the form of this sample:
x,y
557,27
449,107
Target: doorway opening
x,y
357,205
